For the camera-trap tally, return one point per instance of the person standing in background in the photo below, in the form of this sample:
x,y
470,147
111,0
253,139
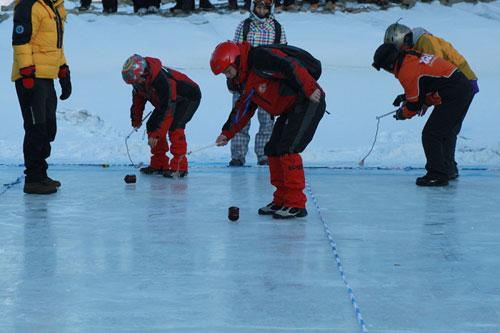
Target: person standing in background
x,y
260,28
108,6
37,40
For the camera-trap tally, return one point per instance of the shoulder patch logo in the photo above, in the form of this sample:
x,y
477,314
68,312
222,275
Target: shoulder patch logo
x,y
426,58
19,29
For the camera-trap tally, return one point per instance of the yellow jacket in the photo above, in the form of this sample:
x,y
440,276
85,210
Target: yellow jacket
x,y
37,38
425,42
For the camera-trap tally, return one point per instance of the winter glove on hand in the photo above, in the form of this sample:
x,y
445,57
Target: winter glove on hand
x,y
136,123
399,99
423,110
28,76
399,114
65,82
475,87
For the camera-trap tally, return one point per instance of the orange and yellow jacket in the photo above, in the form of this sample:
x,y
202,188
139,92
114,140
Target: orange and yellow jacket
x,y
425,79
37,38
425,42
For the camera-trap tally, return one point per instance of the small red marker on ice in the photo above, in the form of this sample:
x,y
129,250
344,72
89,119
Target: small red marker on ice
x,y
130,179
233,213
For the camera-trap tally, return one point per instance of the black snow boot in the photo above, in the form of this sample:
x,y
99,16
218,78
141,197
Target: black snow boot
x,y
41,187
289,213
269,209
149,170
236,163
432,180
453,174
51,181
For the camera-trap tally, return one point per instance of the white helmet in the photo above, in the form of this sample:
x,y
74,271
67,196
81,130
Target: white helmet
x,y
397,34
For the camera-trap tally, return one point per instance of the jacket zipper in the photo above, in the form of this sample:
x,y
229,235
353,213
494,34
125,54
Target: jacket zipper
x,y
58,23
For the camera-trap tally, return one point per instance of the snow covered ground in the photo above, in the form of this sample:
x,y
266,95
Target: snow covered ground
x,y
95,120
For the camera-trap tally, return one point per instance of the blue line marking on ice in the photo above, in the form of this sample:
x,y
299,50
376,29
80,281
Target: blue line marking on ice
x,y
333,245
7,186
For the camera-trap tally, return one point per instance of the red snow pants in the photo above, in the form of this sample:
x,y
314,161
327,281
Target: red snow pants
x,y
175,126
159,158
292,133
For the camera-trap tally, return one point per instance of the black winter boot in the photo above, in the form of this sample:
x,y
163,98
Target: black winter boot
x,y
149,170
51,181
236,163
432,180
41,187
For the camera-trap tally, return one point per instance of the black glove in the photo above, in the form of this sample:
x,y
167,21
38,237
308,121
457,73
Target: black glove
x,y
399,99
65,82
399,114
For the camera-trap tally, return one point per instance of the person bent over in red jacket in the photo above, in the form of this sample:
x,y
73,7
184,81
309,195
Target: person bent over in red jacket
x,y
175,98
281,85
429,80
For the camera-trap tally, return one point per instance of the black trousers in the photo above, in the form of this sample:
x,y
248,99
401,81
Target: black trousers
x,y
294,130
107,5
38,107
285,3
184,111
439,136
145,4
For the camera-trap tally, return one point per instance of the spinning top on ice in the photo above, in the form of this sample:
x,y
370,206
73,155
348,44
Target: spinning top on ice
x,y
233,213
130,179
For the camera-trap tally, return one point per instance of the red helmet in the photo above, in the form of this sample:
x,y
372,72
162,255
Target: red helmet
x,y
134,69
224,55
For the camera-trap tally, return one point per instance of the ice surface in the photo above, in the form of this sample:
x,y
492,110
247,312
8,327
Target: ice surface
x,y
161,255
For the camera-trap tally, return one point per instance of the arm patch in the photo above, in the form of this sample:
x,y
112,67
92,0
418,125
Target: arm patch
x,y
22,31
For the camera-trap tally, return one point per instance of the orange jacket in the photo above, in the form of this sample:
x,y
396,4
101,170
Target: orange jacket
x,y
422,76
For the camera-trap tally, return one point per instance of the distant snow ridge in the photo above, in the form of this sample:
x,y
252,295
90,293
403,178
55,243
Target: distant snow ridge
x,y
91,123
84,137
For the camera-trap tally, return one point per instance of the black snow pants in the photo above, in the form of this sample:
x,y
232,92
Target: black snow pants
x,y
145,4
188,101
107,5
439,136
294,130
38,107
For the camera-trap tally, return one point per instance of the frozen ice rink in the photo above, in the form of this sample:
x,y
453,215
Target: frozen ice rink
x,y
161,255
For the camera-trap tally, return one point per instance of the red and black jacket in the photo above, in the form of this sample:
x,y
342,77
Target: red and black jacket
x,y
164,87
272,81
427,80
